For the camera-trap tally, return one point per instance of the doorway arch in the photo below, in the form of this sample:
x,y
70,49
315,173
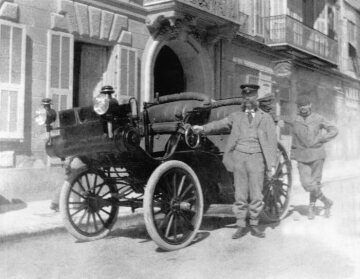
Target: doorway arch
x,y
168,73
193,57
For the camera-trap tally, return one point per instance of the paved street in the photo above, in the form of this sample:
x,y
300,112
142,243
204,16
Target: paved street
x,y
296,248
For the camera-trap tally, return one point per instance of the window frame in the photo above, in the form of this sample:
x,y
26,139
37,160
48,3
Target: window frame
x,y
18,134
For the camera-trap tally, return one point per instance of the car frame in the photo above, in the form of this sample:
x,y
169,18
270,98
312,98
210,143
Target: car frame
x,y
123,166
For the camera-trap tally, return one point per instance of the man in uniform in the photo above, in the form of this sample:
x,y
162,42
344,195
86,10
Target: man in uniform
x,y
251,148
310,132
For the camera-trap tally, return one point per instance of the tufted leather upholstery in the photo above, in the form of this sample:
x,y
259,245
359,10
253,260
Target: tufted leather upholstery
x,y
169,110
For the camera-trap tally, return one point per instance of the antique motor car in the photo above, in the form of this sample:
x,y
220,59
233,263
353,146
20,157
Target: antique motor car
x,y
153,160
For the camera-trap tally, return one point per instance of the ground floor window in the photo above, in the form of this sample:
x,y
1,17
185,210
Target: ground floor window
x,y
12,80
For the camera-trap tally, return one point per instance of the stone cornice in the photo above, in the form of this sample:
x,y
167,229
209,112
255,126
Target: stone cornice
x,y
9,10
118,6
90,22
178,18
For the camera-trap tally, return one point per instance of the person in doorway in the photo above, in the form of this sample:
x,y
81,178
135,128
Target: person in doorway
x,y
310,132
251,148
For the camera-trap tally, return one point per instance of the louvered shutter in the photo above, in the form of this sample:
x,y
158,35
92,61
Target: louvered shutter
x,y
59,74
60,69
12,80
127,71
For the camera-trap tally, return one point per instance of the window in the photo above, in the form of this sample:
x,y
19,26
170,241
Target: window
x,y
260,10
351,31
12,80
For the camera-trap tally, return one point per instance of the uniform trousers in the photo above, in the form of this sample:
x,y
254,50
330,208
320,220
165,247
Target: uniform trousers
x,y
248,180
311,174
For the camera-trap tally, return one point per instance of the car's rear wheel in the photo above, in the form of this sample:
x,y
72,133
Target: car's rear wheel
x,y
277,191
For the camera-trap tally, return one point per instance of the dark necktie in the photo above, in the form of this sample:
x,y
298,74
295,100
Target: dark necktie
x,y
250,116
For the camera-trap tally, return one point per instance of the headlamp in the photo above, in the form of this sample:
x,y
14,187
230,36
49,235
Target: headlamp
x,y
101,104
40,116
45,114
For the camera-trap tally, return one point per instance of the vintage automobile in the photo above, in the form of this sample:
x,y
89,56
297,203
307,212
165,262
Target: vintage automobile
x,y
176,182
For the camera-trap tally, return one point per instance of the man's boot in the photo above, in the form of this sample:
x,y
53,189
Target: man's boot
x,y
311,212
240,232
255,231
327,204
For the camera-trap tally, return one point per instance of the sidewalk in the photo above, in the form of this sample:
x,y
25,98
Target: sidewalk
x,y
35,217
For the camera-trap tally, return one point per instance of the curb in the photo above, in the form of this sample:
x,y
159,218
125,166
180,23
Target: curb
x,y
124,220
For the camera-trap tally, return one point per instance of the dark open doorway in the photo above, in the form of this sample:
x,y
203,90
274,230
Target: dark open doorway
x,y
168,73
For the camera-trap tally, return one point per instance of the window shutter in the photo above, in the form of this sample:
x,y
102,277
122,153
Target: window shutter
x,y
60,69
12,80
127,70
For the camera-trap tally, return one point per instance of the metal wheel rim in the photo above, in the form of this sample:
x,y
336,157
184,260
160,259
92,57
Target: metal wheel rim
x,y
277,190
83,204
180,207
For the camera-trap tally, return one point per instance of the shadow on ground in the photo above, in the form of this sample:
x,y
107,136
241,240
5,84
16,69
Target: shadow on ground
x,y
11,205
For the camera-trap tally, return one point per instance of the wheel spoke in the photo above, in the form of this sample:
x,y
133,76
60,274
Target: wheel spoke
x,y
103,210
99,186
101,220
78,210
95,224
175,225
181,185
95,181
80,184
81,219
169,226
174,185
163,221
87,182
87,222
106,193
186,190
77,193
275,205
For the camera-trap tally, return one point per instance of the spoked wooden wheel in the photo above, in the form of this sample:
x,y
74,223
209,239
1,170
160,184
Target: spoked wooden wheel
x,y
277,190
87,205
173,205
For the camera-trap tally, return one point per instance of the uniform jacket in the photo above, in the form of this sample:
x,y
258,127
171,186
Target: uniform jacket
x,y
309,136
266,132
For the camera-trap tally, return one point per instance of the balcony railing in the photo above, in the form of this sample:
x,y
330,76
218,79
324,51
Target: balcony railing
x,y
284,30
227,9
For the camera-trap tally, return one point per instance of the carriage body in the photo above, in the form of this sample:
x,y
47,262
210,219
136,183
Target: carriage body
x,y
153,160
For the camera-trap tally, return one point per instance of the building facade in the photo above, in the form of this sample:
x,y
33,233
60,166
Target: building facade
x,y
67,50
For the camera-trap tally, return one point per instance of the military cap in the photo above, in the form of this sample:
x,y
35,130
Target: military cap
x,y
249,90
303,100
107,89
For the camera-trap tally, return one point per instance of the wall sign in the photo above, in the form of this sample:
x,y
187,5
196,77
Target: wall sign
x,y
283,69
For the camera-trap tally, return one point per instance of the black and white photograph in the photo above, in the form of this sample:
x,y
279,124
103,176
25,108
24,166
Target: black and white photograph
x,y
179,139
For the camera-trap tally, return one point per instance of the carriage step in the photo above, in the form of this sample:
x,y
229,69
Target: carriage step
x,y
219,210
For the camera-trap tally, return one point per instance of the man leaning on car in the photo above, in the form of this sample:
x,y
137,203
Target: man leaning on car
x,y
251,148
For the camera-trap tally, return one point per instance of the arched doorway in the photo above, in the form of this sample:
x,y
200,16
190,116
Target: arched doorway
x,y
192,58
168,73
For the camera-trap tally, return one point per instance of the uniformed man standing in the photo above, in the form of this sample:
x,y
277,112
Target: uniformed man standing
x,y
249,152
310,132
